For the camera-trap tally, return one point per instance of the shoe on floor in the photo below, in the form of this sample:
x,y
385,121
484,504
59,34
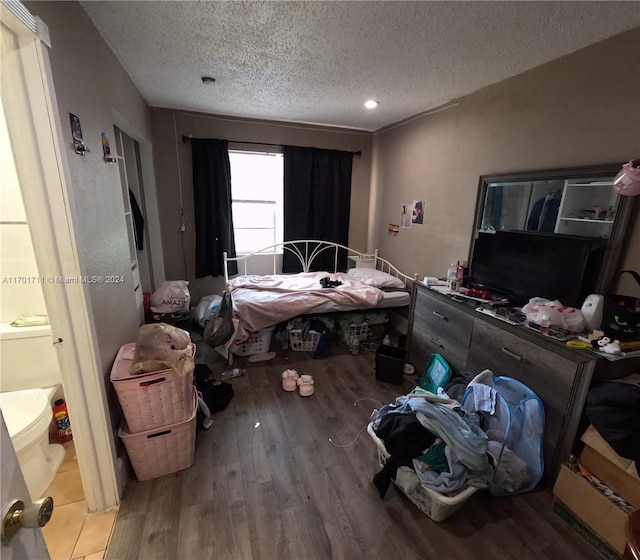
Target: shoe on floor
x,y
289,379
305,385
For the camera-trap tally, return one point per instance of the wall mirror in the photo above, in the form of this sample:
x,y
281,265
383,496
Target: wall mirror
x,y
544,213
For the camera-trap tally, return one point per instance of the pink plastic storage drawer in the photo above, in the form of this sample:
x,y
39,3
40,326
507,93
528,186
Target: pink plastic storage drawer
x,y
164,450
151,400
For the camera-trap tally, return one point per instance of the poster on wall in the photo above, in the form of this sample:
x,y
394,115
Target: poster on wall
x,y
417,215
405,215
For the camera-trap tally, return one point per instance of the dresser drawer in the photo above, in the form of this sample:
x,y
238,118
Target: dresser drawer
x,y
424,343
438,317
440,328
548,374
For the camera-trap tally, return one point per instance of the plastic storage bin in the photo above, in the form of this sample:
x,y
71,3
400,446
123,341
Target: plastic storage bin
x,y
151,400
432,503
257,343
163,450
362,331
309,344
390,363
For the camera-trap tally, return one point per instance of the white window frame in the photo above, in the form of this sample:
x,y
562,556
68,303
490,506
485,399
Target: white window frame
x,y
278,225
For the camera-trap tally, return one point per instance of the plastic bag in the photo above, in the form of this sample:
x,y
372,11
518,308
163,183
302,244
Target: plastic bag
x,y
540,310
161,346
220,328
171,297
437,374
207,308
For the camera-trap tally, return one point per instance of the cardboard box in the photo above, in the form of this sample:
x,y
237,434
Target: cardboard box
x,y
593,439
592,507
616,472
584,531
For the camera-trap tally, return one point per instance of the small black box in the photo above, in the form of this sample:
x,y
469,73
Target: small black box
x,y
390,363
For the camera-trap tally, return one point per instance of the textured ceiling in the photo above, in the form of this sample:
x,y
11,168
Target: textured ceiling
x,y
317,62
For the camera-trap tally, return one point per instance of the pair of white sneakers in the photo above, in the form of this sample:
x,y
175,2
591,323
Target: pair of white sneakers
x,y
292,381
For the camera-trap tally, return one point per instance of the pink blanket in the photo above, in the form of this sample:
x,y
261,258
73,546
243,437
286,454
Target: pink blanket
x,y
263,301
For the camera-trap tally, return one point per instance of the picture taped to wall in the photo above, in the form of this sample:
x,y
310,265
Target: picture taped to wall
x,y
405,215
417,216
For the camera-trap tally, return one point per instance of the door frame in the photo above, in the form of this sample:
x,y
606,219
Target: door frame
x,y
34,128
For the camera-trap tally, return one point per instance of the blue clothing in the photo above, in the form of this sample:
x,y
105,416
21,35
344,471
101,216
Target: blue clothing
x,y
467,440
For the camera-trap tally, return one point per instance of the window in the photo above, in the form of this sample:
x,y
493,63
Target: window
x,y
257,199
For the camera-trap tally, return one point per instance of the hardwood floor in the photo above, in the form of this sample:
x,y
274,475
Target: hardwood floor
x,y
268,484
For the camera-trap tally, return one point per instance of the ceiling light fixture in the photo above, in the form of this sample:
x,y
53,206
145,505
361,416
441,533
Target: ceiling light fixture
x,y
208,80
371,104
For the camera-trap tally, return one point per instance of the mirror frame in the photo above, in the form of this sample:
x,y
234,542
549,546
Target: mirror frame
x,y
621,229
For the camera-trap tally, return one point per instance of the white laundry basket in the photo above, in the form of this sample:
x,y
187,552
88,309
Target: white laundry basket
x,y
434,504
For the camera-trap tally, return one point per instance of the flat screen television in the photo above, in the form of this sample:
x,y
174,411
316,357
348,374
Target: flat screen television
x,y
522,265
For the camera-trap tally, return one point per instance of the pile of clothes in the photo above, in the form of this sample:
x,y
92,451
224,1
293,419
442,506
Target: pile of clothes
x,y
447,445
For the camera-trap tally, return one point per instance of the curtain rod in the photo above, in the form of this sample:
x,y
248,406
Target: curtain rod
x,y
187,138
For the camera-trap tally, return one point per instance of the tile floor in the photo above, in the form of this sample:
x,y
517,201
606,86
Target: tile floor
x,y
71,533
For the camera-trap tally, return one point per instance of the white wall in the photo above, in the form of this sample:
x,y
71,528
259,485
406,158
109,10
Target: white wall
x,y
20,294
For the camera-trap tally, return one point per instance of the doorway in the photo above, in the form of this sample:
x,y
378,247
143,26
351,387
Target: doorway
x,y
36,142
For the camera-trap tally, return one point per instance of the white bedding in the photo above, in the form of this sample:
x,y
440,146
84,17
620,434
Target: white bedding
x,y
263,301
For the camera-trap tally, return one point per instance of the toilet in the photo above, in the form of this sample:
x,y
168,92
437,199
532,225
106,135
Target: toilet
x,y
28,416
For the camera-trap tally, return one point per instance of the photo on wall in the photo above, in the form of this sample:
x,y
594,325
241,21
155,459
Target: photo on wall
x,y
417,215
405,215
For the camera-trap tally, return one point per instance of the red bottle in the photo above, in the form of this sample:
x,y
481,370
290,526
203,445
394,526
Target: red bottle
x,y
61,421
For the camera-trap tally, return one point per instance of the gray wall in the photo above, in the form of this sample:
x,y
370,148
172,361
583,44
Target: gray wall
x,y
581,109
174,169
90,83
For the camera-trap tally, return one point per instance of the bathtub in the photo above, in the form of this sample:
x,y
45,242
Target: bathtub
x,y
28,416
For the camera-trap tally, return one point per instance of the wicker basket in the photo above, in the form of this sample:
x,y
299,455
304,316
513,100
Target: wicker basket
x,y
309,344
432,503
164,450
257,343
151,400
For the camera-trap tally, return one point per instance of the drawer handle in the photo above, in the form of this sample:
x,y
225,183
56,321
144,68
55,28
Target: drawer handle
x,y
152,382
440,316
513,355
435,341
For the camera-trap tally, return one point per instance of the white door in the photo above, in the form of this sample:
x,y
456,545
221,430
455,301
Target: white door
x,y
27,543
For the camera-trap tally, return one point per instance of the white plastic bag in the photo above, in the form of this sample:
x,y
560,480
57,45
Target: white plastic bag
x,y
540,310
161,346
207,309
171,297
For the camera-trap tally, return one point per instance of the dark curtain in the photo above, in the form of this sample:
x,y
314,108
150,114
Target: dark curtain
x,y
317,202
212,207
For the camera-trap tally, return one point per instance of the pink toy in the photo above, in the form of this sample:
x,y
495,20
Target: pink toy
x,y
627,182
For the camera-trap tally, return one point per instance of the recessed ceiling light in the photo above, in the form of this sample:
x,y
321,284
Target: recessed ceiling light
x,y
208,80
371,104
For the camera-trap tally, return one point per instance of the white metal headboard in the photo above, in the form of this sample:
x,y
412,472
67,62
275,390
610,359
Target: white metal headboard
x,y
306,250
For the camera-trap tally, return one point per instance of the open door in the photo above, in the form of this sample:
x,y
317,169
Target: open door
x,y
19,542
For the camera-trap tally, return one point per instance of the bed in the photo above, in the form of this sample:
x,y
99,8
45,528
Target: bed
x,y
264,300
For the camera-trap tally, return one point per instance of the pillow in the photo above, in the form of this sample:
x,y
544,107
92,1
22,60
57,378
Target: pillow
x,y
376,278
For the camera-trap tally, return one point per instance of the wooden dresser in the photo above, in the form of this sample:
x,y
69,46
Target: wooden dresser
x,y
471,341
